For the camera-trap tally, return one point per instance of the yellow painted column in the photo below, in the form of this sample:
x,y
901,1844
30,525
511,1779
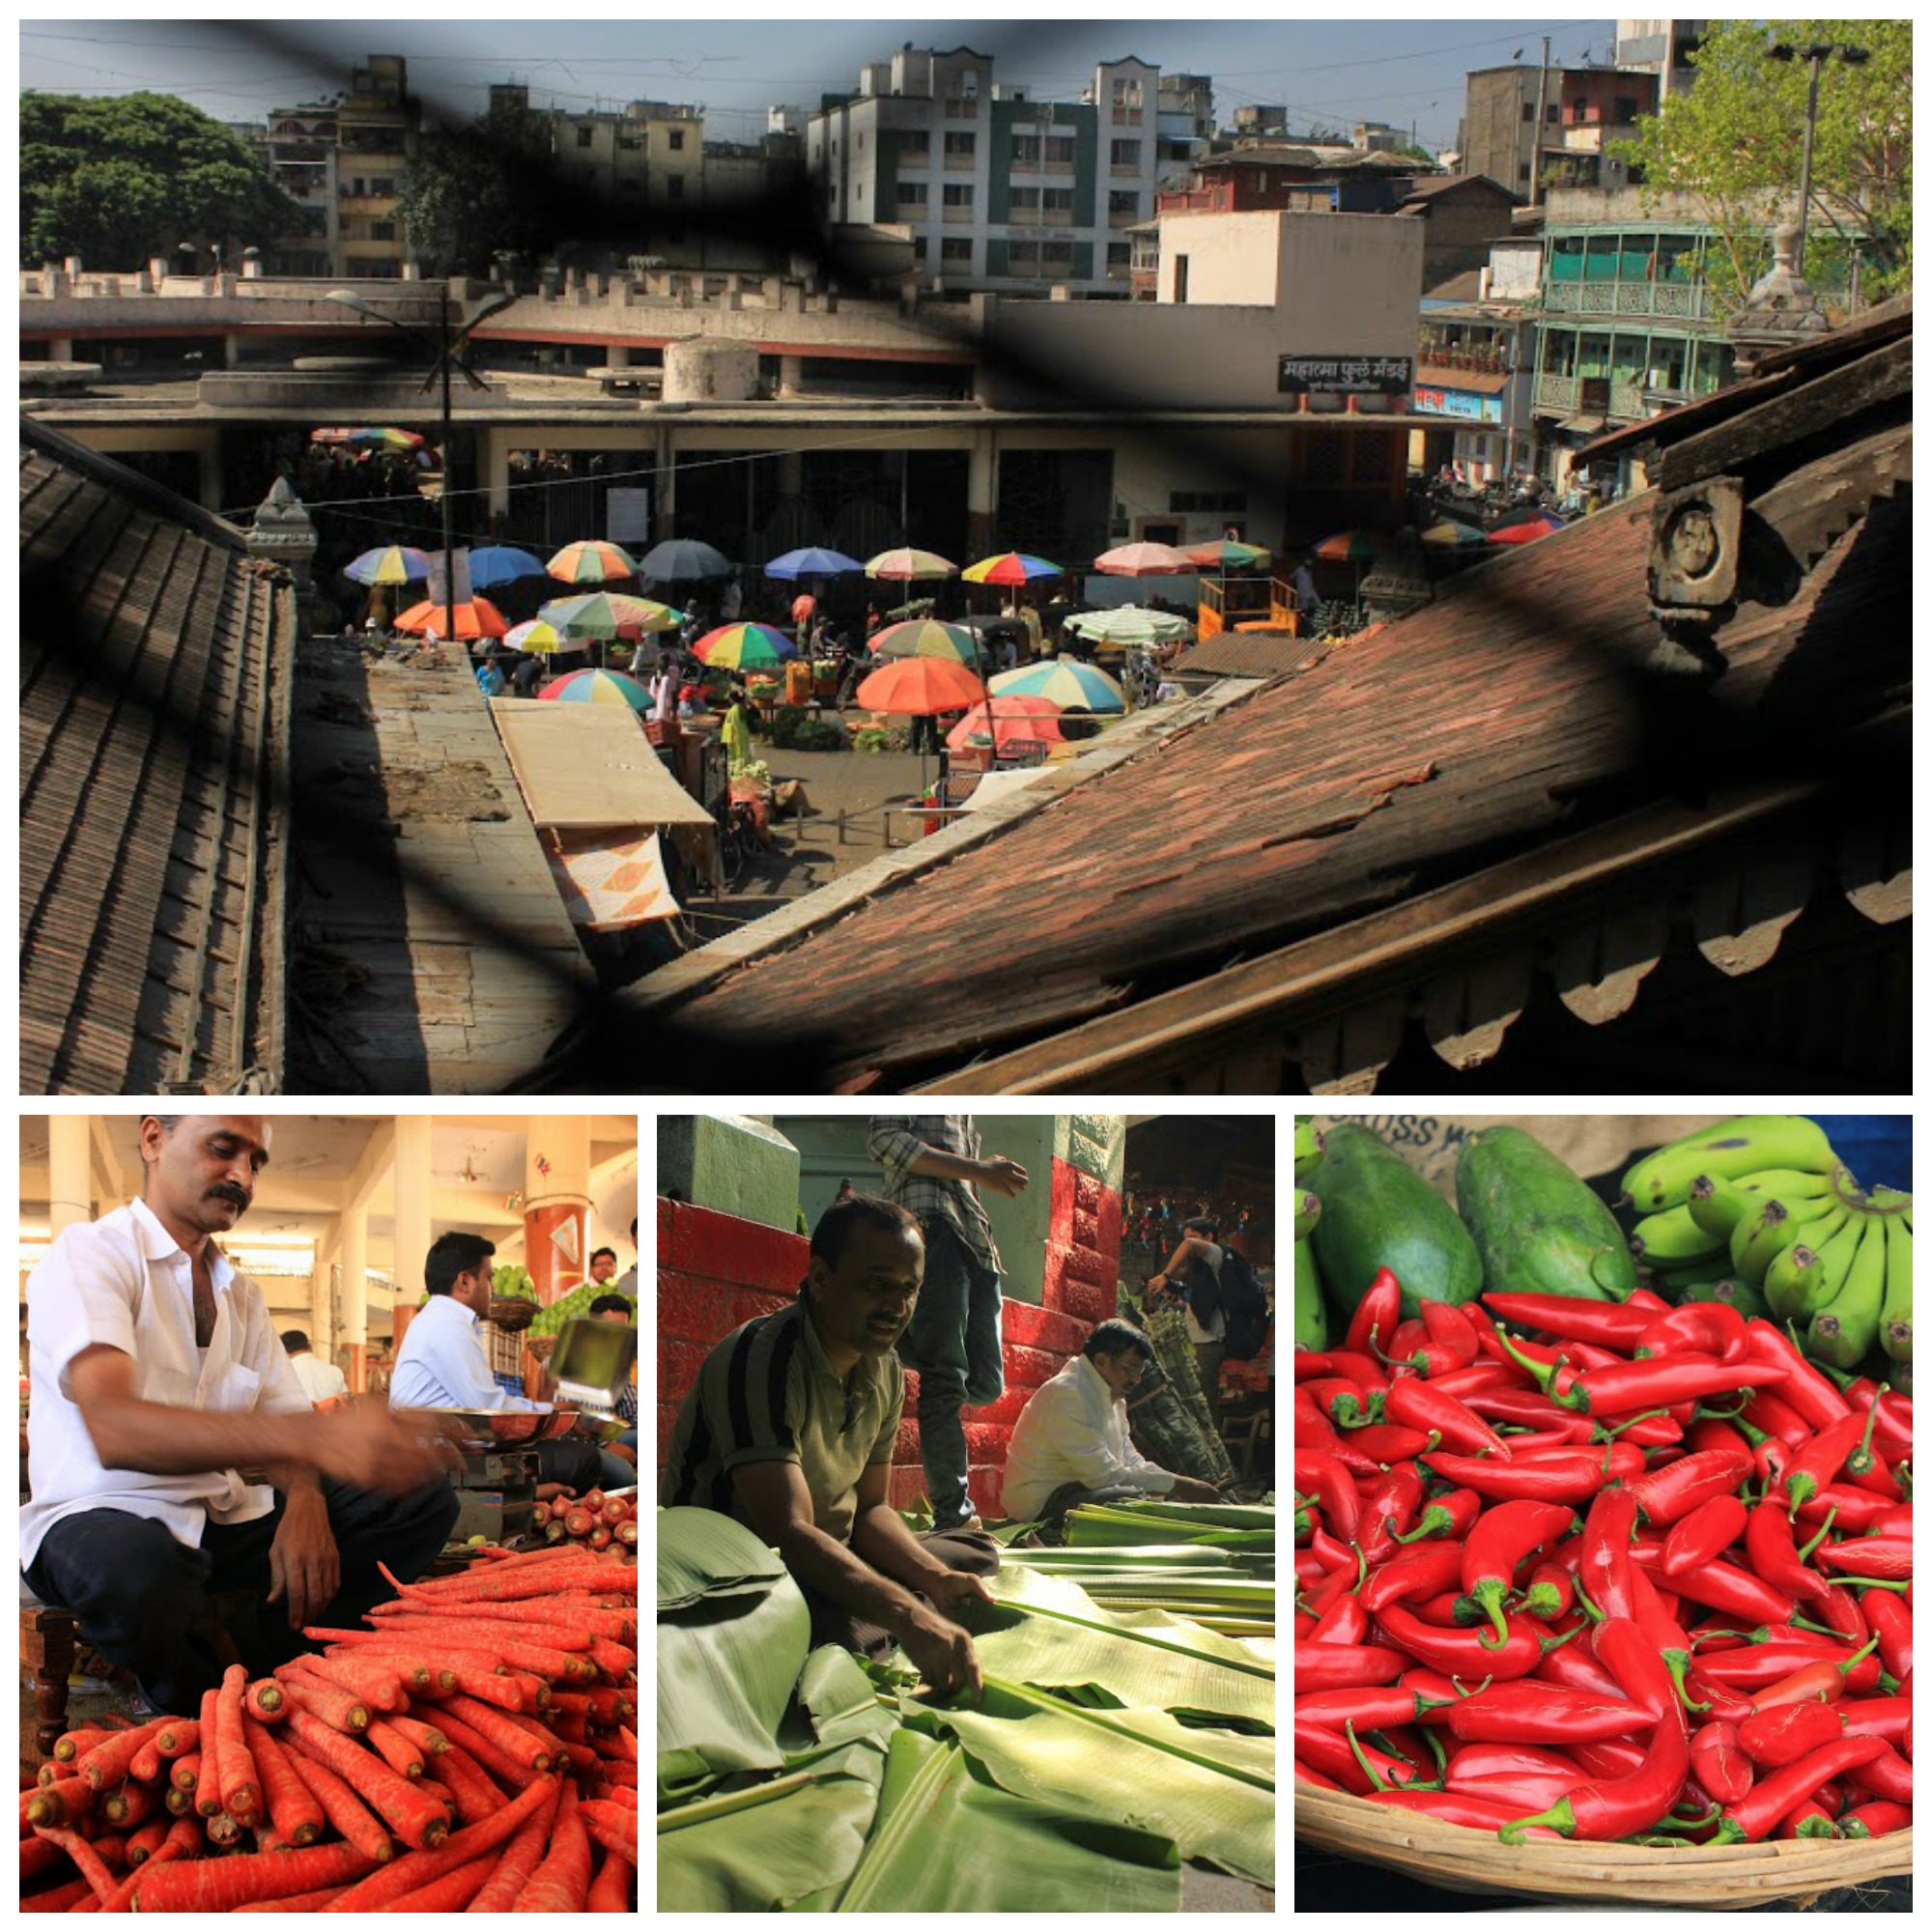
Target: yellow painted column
x,y
70,1179
412,1175
354,1341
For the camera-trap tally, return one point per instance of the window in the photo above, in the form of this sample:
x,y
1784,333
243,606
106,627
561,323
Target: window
x,y
1124,154
915,141
1529,110
955,249
675,187
629,143
1026,200
1121,201
958,194
858,146
1022,255
959,144
1026,152
584,137
382,231
1180,278
1059,150
1057,200
382,185
677,140
912,194
1120,254
1549,113
1057,254
1625,108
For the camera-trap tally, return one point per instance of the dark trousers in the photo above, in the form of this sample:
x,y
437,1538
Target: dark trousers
x,y
972,1550
954,1343
136,1590
1051,1513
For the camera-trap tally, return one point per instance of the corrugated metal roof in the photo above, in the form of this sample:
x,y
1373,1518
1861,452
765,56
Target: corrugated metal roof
x,y
153,722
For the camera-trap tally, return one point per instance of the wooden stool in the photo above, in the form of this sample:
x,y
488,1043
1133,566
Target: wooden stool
x,y
46,1648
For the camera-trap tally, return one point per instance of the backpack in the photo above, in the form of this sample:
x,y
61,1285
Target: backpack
x,y
1245,1301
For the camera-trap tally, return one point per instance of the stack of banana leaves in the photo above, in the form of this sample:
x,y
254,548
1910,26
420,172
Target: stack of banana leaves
x,y
1118,1736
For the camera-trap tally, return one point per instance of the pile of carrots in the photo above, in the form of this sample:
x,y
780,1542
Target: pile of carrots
x,y
475,1750
597,1519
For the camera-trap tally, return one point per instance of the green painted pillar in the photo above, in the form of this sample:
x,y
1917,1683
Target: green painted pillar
x,y
735,1163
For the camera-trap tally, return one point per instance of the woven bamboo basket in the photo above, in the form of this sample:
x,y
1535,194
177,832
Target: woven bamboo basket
x,y
1729,1878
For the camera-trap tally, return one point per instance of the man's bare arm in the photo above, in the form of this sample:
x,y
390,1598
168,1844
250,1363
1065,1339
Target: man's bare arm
x,y
879,1534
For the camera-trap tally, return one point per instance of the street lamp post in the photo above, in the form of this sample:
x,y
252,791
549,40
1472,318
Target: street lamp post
x,y
444,349
1814,56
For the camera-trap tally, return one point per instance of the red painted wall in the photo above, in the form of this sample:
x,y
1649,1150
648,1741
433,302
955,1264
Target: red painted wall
x,y
716,1271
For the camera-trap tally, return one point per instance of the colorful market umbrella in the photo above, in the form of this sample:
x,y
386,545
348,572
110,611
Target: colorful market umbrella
x,y
1129,624
1011,717
744,647
395,563
920,687
1145,559
904,565
1449,534
597,687
812,562
591,562
540,636
494,564
1350,547
385,438
603,615
1071,685
681,558
1524,532
925,637
1226,553
1010,567
478,618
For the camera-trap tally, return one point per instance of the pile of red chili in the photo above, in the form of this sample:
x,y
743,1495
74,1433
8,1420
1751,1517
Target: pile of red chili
x,y
1603,1571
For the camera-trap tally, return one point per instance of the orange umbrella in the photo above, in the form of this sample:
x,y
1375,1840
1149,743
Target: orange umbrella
x,y
478,618
920,687
1013,718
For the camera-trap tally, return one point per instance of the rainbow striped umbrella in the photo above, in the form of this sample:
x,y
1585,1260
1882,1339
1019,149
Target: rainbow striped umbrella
x,y
396,563
1010,567
904,565
385,438
924,637
602,616
541,637
1071,684
478,618
1449,534
597,687
592,562
1226,553
744,647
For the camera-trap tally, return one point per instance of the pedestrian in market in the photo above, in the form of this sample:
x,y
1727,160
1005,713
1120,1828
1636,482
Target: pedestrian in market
x,y
790,1427
527,675
173,1455
1197,1263
934,1167
320,1380
489,679
619,1458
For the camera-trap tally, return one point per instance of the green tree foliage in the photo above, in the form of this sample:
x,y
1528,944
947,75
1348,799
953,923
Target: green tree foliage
x,y
473,192
121,178
1735,143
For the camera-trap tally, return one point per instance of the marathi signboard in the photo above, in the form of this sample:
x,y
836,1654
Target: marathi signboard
x,y
1346,374
1459,402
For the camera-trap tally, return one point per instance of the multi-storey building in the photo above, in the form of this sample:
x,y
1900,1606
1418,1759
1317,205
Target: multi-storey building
x,y
1475,369
1662,47
1582,109
301,149
377,128
998,189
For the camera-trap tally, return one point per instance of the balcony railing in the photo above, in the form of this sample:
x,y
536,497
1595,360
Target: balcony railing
x,y
1628,401
1688,301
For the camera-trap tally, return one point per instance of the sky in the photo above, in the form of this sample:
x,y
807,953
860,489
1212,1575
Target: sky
x,y
1405,72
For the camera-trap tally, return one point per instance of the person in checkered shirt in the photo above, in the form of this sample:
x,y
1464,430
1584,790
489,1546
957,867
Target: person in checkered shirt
x,y
934,1167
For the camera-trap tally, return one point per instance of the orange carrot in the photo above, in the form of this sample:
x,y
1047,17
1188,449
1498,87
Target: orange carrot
x,y
107,1763
292,1807
426,1738
559,1883
62,1899
494,1587
89,1861
130,1804
209,1783
500,1764
64,1802
417,1819
149,1839
611,1889
368,1680
240,1793
475,1795
509,1738
71,1746
319,1698
447,1894
302,1901
220,1884
415,1869
397,1752
521,1856
187,1772
610,1825
177,1736
264,1701
342,1808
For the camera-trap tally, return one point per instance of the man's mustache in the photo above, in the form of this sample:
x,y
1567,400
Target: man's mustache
x,y
233,1194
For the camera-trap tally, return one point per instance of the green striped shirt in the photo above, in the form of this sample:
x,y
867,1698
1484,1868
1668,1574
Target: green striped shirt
x,y
766,1394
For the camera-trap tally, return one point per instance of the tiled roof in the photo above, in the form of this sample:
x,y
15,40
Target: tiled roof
x,y
1511,708
1248,654
154,727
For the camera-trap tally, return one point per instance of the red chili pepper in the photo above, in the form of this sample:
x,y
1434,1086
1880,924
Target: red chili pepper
x,y
1787,1732
1752,1817
1823,1457
1706,1533
1875,1820
1388,1508
1892,1622
1477,1377
1774,1554
1330,1553
1450,1517
1467,1761
1886,1557
1530,1411
1573,1668
1804,1388
1887,1775
1304,1775
1466,1653
1812,1819
1321,1477
1604,1573
1724,1586
1656,1384
1551,1592
1607,1324
1886,1718
1527,1712
1328,1750
1573,1479
1345,1622
1363,1372
1379,1309
1309,1363
1367,1709
1825,1677
1858,1510
1687,1484
1414,1403
1499,1544
1719,1764
1701,1328
1424,1571
1480,1815
1409,1339
1337,1666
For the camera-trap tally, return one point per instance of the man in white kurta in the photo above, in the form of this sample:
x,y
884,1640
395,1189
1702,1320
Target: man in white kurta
x,y
1071,1446
173,1455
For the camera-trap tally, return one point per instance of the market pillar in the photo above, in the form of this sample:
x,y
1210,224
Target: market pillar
x,y
556,1203
982,470
70,1183
413,1189
354,1337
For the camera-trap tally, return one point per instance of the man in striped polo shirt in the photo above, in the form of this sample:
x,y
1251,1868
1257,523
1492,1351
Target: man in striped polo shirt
x,y
789,1428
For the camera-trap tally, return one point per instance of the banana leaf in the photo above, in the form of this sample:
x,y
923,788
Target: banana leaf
x,y
948,1838
728,1651
1144,1657
1211,1792
1222,1516
1187,1556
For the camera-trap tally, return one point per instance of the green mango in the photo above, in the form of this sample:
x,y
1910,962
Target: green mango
x,y
1537,1227
1377,1211
1311,1315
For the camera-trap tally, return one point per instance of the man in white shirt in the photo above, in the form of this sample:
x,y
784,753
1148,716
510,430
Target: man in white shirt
x,y
320,1380
173,1454
1071,1445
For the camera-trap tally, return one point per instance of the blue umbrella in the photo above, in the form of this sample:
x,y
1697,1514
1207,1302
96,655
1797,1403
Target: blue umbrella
x,y
499,563
681,558
811,562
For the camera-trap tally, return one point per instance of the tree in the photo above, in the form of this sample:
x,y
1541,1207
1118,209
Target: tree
x,y
473,193
122,178
1735,144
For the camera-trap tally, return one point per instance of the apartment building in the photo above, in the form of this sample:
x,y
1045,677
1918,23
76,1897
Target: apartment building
x,y
999,190
1662,47
300,145
376,131
1582,110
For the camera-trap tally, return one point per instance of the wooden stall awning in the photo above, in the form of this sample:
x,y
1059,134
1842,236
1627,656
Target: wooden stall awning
x,y
586,767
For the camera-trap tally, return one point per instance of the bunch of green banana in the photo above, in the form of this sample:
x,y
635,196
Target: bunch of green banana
x,y
1307,1148
1311,1312
1731,1149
